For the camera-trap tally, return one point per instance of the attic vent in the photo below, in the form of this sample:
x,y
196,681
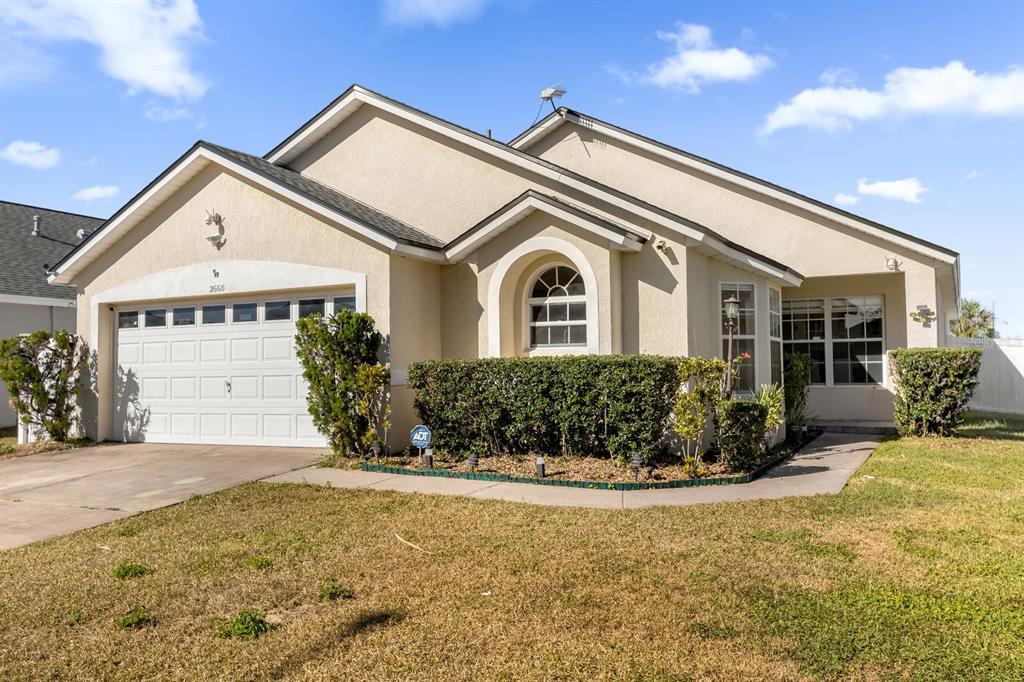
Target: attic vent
x,y
35,226
83,233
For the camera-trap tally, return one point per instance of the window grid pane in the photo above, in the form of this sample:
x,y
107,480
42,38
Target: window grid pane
x,y
128,320
558,309
244,312
184,317
743,334
156,318
277,310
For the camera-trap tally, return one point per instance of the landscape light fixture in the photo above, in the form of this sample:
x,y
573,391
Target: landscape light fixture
x,y
732,314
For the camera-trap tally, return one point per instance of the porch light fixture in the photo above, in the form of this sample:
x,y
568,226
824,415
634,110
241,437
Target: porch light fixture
x,y
732,315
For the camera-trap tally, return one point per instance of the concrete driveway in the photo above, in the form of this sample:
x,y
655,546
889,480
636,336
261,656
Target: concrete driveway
x,y
55,493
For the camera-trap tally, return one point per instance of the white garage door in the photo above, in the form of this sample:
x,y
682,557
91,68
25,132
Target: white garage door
x,y
221,372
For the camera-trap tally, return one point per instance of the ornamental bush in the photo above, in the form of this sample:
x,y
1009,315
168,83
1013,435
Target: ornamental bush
x,y
933,386
797,381
347,395
590,405
741,429
42,372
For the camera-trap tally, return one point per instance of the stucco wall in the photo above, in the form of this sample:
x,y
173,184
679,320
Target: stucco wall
x,y
16,319
811,244
258,226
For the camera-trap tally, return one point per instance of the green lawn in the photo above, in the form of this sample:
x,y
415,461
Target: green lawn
x,y
916,571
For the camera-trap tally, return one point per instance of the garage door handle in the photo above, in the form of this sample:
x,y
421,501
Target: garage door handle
x,y
228,384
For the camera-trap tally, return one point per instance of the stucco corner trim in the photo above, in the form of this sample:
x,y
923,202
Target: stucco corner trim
x,y
538,245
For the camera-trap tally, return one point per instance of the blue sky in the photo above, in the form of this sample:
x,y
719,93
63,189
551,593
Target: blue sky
x,y
911,114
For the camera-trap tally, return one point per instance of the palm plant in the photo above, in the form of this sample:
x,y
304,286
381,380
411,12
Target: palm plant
x,y
976,321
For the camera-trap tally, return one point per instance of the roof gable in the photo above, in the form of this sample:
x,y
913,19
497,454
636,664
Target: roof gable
x,y
340,208
556,119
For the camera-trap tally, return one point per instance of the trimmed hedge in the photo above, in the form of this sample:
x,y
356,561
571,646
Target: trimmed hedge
x,y
594,405
741,429
933,386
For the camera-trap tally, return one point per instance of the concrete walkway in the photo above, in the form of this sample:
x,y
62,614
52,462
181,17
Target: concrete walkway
x,y
823,467
58,492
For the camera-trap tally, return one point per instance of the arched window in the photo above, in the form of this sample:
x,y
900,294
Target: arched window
x,y
558,309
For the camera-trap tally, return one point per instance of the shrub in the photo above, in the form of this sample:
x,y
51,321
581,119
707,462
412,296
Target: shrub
x,y
134,619
244,625
700,389
599,405
933,386
331,591
128,570
740,433
347,403
796,382
771,397
42,373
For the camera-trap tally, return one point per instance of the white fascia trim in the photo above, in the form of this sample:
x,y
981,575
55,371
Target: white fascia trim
x,y
783,276
37,300
537,133
735,179
420,253
123,222
528,205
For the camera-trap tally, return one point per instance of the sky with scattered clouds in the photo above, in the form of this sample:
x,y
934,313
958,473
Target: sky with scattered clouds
x,y
912,118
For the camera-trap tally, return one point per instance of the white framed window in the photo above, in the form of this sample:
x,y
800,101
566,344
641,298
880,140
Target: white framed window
x,y
311,306
128,319
557,309
744,334
213,314
775,333
845,337
346,302
184,317
243,313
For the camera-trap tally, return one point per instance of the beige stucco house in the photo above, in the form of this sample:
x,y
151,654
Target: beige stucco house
x,y
576,237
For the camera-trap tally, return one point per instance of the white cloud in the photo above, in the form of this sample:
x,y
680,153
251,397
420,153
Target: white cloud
x,y
696,61
908,189
31,154
143,44
972,175
440,13
96,192
837,76
846,199
161,114
950,89
22,62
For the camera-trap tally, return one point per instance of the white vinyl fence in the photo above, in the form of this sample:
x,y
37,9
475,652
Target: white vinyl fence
x,y
1001,380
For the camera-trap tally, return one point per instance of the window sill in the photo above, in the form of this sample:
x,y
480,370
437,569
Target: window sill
x,y
555,350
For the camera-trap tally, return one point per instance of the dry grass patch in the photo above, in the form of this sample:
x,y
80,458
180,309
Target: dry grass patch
x,y
910,573
9,447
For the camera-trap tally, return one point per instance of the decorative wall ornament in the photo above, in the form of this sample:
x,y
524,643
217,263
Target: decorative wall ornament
x,y
217,240
923,315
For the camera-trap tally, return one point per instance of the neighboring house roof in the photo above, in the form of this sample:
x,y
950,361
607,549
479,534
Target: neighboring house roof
x,y
24,258
555,119
366,220
356,95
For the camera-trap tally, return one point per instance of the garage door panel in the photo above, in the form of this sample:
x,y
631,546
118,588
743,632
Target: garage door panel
x,y
231,382
183,425
154,388
213,350
213,425
277,426
245,350
128,354
183,352
183,388
245,426
154,353
277,387
277,348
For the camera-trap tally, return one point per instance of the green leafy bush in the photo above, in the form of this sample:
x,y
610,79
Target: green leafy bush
x,y
741,428
933,386
594,405
134,619
129,570
244,625
42,373
796,382
332,591
771,397
347,401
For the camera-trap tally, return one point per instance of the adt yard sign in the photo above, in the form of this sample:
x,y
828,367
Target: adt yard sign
x,y
420,437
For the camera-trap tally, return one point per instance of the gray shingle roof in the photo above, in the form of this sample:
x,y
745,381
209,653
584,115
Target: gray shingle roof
x,y
332,198
23,258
